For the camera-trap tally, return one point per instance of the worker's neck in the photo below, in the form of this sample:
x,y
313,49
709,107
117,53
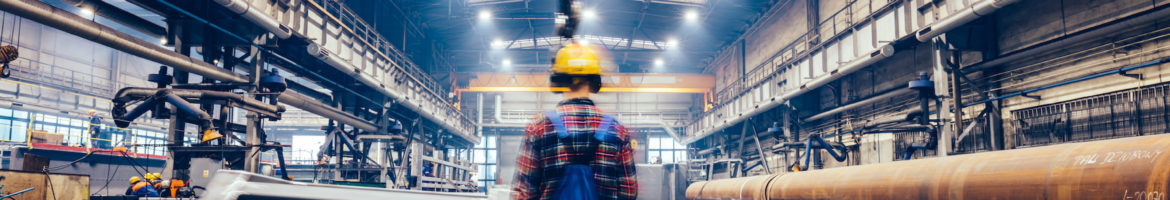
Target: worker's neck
x,y
576,94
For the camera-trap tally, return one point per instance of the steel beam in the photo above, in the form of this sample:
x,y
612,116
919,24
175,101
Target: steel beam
x,y
645,83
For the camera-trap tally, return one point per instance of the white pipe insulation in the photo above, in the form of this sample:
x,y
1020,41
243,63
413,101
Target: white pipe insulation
x,y
969,14
246,10
256,16
882,52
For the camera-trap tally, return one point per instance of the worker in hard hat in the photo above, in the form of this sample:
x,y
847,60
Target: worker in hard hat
x,y
153,179
96,139
576,151
141,188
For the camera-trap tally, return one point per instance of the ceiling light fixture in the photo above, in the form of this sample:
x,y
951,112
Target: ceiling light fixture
x,y
498,44
589,14
671,43
658,62
691,15
485,15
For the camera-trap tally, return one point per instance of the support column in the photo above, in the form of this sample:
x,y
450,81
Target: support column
x,y
941,90
180,164
252,158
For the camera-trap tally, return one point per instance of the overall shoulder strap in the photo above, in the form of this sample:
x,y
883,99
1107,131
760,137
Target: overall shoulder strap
x,y
603,129
558,123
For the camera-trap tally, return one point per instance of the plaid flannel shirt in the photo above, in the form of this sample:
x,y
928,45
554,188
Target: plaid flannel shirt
x,y
542,155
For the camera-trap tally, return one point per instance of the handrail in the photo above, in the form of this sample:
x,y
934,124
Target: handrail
x,y
411,69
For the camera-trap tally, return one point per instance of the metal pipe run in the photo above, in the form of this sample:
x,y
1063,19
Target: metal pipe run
x,y
246,10
1098,32
73,24
1126,168
969,14
500,115
331,59
135,93
121,16
1097,75
311,105
863,102
881,53
809,148
84,28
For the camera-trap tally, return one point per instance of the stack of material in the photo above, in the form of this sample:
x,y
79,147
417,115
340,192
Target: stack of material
x,y
44,137
45,186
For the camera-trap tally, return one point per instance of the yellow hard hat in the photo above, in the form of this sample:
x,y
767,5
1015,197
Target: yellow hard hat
x,y
135,179
579,59
91,111
150,176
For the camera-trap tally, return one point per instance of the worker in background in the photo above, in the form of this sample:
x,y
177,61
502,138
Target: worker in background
x,y
140,188
153,179
576,151
427,168
163,188
95,127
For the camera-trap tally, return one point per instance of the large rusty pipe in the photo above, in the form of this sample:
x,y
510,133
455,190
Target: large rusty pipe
x,y
1126,168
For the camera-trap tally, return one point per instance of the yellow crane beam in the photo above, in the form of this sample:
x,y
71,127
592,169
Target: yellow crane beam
x,y
634,83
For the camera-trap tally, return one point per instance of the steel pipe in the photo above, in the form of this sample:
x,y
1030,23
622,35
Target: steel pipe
x,y
309,104
121,16
969,14
257,16
1126,168
1063,83
881,53
84,28
1068,40
500,115
135,93
863,102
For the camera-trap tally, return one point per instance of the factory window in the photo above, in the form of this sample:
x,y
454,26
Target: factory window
x,y
484,157
305,148
665,148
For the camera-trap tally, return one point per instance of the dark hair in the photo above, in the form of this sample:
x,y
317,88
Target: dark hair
x,y
576,81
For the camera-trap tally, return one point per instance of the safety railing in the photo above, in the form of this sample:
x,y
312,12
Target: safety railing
x,y
366,33
40,129
1131,112
52,75
418,85
840,38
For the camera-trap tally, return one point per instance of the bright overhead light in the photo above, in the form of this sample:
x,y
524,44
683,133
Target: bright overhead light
x,y
658,62
691,15
589,14
162,40
672,42
506,62
86,12
583,42
485,15
498,44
